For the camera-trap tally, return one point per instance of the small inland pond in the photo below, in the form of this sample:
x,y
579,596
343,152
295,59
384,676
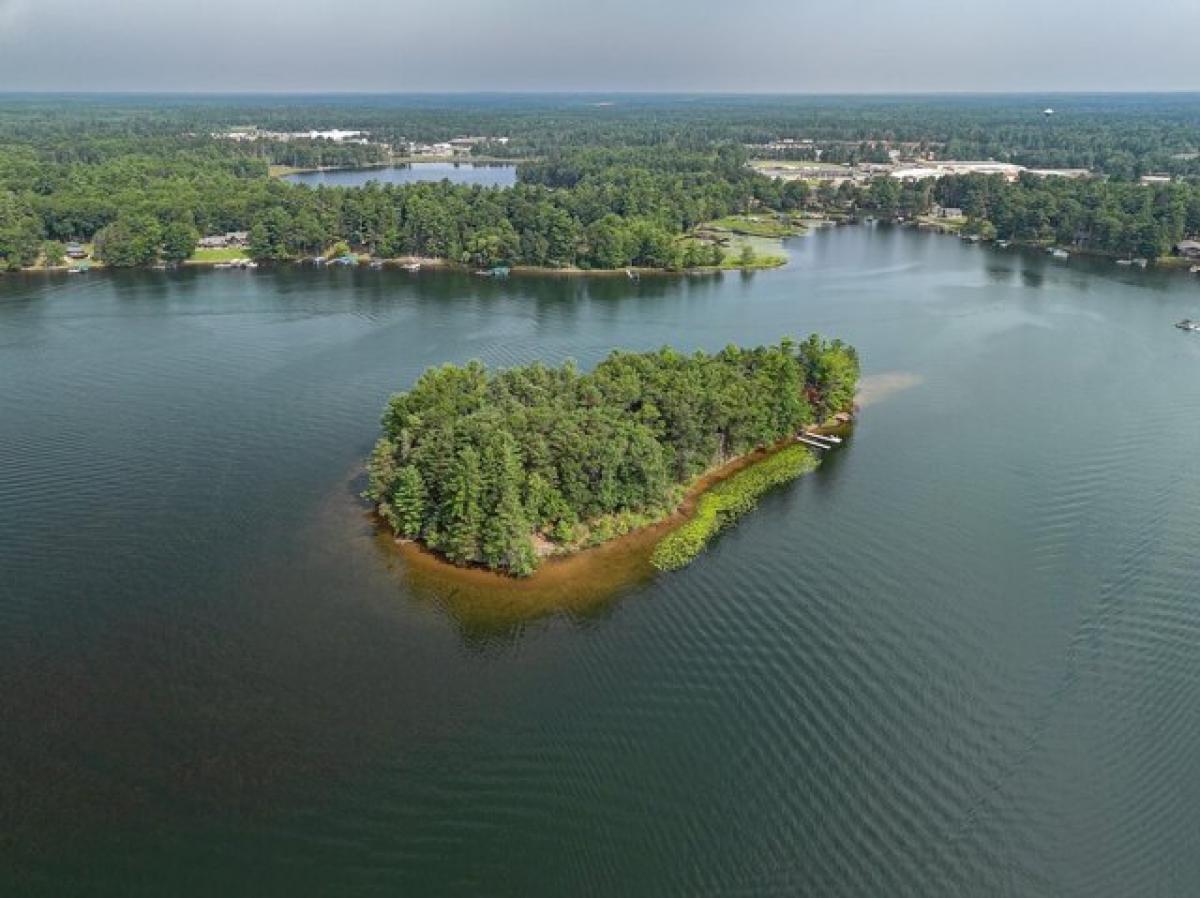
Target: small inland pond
x,y
959,658
485,174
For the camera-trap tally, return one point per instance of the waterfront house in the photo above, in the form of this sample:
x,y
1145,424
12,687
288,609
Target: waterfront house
x,y
1189,249
947,212
76,251
223,241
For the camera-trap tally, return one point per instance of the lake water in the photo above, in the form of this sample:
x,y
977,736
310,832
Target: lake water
x,y
963,658
486,175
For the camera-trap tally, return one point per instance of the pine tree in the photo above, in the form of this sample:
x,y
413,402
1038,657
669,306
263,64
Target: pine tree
x,y
408,502
464,514
506,528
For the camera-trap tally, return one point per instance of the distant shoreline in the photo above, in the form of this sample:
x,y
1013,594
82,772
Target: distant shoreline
x,y
436,264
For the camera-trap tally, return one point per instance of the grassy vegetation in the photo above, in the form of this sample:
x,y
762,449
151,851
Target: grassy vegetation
x,y
764,225
733,263
947,225
225,254
728,501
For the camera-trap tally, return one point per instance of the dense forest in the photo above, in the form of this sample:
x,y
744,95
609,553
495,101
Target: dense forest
x,y
590,208
1102,216
606,185
1120,135
478,465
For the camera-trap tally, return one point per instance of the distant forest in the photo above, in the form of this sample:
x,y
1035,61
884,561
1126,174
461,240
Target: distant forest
x,y
612,182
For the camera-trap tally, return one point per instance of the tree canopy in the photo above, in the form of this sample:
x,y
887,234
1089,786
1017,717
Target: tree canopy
x,y
474,463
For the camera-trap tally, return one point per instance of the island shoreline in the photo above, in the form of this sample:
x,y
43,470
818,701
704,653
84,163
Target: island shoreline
x,y
576,563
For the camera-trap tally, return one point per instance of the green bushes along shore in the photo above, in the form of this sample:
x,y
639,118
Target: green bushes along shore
x,y
728,501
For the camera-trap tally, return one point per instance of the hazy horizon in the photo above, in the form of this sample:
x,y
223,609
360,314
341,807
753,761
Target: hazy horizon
x,y
538,46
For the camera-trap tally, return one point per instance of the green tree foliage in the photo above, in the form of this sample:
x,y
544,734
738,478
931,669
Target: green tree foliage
x,y
408,500
129,242
1103,216
476,463
610,188
178,241
53,253
20,231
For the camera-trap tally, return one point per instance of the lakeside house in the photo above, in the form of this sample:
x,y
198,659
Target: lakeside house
x,y
76,250
947,212
1188,249
225,241
1155,179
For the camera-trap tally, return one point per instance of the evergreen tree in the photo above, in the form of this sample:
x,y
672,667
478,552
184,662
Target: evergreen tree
x,y
408,502
463,514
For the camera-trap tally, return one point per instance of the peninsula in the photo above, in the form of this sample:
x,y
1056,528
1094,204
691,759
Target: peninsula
x,y
502,468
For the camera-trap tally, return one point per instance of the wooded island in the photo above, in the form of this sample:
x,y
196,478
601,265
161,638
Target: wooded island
x,y
501,468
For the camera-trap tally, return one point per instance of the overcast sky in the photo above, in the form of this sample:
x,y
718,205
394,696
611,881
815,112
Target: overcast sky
x,y
608,45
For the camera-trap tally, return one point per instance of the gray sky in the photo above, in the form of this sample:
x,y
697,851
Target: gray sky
x,y
691,45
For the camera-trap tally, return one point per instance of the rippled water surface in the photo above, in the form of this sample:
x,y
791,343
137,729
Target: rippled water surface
x,y
963,658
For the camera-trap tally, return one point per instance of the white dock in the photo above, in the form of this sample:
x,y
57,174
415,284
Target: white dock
x,y
829,438
807,442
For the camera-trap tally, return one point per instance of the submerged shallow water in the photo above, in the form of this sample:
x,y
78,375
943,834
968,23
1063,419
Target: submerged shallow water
x,y
960,658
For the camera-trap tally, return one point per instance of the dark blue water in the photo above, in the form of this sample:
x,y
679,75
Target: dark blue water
x,y
487,175
960,659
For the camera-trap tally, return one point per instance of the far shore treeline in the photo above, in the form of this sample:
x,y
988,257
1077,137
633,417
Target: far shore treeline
x,y
499,468
141,180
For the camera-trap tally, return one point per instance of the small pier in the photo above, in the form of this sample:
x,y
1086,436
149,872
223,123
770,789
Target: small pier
x,y
808,441
818,440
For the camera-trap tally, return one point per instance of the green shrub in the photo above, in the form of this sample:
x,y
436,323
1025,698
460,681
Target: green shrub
x,y
728,501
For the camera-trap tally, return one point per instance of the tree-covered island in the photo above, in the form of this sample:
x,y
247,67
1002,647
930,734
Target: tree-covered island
x,y
499,468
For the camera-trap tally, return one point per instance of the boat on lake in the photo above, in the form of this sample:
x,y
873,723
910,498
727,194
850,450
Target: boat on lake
x,y
413,266
1187,324
1060,253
